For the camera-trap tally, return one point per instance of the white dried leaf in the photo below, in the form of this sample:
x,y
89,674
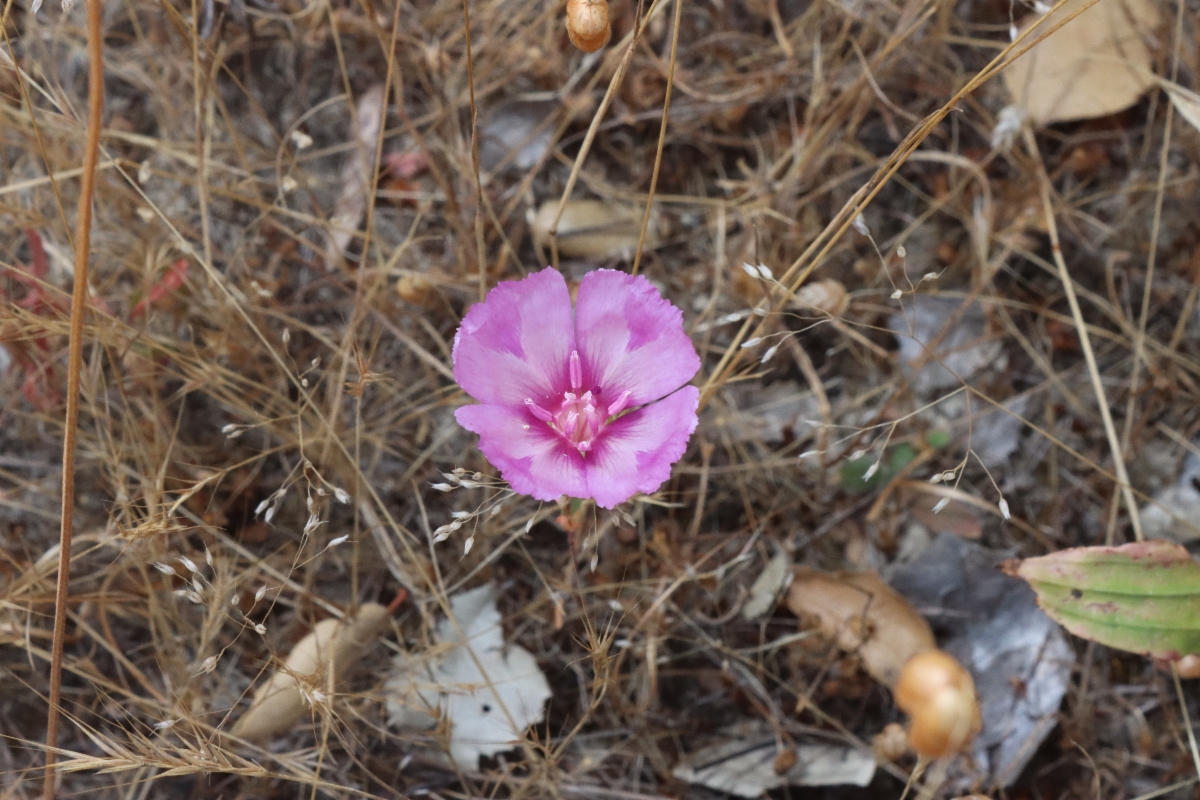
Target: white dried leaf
x,y
487,693
517,135
742,762
1174,513
960,352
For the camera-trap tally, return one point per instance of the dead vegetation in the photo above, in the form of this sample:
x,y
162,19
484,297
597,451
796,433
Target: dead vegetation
x,y
295,205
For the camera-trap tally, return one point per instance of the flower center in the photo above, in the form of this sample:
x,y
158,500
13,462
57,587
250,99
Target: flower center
x,y
581,417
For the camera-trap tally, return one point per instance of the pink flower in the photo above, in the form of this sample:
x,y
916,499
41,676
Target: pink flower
x,y
587,404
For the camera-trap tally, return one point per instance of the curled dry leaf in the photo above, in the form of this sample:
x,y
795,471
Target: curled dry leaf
x,y
767,586
862,614
1096,64
593,228
828,297
333,646
1186,102
357,174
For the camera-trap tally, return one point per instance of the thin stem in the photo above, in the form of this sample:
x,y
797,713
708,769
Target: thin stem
x,y
79,295
1084,339
662,137
480,250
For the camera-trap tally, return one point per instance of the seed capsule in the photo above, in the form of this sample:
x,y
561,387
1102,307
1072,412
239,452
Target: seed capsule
x,y
939,697
587,24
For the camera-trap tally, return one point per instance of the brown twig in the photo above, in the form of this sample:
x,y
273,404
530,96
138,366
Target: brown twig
x,y
79,295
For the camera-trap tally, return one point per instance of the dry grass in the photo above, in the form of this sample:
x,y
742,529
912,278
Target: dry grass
x,y
287,366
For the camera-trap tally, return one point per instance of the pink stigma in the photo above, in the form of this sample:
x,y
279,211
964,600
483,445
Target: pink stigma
x,y
580,418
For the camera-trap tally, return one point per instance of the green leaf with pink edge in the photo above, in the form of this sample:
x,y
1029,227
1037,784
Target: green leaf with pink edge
x,y
1143,598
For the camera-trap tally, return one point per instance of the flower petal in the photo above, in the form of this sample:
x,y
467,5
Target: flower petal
x,y
517,342
631,339
635,453
531,457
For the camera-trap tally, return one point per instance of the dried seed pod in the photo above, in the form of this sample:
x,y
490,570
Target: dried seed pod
x,y
414,288
939,697
587,24
827,296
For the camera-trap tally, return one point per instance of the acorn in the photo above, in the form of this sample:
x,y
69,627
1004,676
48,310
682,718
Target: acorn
x,y
939,697
587,24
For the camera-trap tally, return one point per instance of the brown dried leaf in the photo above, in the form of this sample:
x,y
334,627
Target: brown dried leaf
x,y
1096,64
862,614
333,645
593,228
